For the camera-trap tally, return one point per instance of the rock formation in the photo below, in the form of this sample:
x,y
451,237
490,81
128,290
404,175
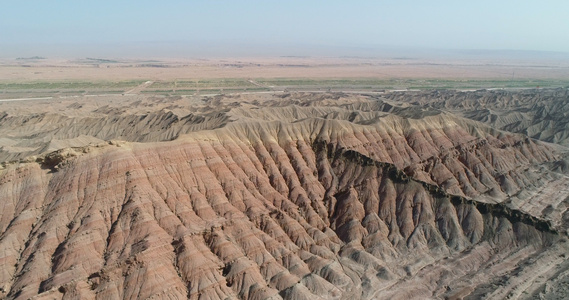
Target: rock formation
x,y
298,196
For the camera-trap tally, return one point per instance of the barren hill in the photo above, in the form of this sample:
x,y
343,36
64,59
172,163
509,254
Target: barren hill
x,y
540,114
293,196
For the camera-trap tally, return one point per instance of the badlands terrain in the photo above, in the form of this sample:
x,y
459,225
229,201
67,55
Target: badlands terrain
x,y
281,188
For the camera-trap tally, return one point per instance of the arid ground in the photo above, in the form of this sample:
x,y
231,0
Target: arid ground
x,y
284,178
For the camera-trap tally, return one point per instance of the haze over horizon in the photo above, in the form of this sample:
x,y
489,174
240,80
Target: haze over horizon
x,y
229,28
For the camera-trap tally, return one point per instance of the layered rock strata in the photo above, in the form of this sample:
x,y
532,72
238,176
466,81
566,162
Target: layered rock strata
x,y
321,207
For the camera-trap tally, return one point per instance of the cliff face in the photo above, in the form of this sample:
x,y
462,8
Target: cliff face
x,y
331,201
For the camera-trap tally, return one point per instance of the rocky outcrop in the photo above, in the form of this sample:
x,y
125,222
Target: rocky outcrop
x,y
294,196
311,209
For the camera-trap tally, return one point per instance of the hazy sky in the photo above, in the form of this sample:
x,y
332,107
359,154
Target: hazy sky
x,y
435,24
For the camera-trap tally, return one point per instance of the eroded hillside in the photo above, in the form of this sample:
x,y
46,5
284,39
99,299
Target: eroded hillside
x,y
540,114
294,196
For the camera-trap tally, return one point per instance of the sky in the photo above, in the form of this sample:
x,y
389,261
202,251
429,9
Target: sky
x,y
36,26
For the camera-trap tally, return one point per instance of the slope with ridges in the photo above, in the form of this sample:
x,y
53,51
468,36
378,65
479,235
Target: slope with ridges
x,y
258,210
